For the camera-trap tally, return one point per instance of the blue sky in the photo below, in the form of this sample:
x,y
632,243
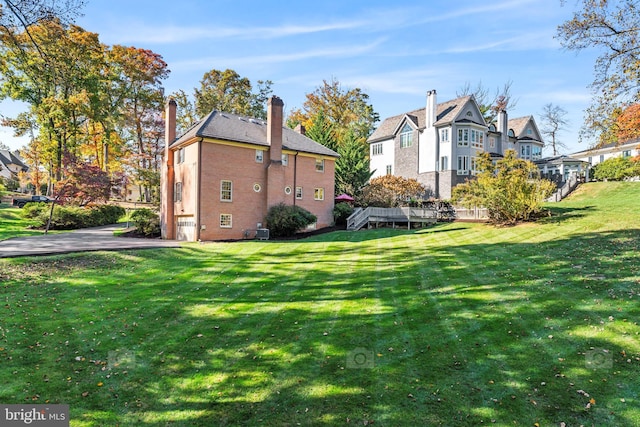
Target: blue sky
x,y
394,51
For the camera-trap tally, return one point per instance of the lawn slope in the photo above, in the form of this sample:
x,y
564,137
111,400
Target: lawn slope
x,y
457,324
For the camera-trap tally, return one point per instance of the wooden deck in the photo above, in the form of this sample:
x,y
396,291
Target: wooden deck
x,y
404,215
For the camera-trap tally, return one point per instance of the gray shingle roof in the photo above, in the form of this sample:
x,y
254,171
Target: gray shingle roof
x,y
7,158
231,127
446,112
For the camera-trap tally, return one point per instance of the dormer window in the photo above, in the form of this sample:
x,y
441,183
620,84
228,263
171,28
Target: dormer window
x,y
406,136
511,133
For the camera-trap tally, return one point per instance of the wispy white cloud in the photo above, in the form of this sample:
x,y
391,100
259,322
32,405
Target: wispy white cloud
x,y
349,51
169,34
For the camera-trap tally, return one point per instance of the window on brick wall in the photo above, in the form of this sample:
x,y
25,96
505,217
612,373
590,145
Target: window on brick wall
x,y
259,156
318,194
298,193
319,165
226,191
226,220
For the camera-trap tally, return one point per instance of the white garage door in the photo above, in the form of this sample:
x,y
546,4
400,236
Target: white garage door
x,y
186,228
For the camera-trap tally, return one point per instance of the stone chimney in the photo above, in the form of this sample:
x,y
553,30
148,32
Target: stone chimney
x,y
274,128
432,108
167,221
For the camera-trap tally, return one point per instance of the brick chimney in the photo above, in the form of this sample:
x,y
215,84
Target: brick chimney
x,y
275,171
274,128
301,129
167,221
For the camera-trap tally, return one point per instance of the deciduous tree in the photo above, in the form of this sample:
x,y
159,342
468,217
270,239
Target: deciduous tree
x,y
553,120
346,110
613,28
490,106
229,92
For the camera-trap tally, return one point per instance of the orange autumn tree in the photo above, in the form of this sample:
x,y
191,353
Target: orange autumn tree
x,y
628,123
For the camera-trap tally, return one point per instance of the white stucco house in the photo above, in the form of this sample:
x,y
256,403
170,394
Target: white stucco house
x,y
438,145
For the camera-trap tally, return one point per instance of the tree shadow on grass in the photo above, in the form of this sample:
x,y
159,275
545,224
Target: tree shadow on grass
x,y
397,334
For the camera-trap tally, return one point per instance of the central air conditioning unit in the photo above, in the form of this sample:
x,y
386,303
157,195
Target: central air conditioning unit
x,y
262,234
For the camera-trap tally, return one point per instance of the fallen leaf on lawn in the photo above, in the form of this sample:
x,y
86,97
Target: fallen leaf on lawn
x,y
85,393
100,384
592,401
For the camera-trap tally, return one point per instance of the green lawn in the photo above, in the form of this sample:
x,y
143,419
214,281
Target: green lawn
x,y
13,225
457,324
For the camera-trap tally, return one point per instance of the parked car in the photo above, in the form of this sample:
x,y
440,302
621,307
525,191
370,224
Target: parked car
x,y
23,201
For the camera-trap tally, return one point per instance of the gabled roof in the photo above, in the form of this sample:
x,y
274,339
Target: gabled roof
x,y
446,112
519,124
8,158
234,128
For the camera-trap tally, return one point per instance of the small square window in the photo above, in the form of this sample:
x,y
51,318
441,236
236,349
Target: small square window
x,y
226,220
259,156
318,194
298,192
285,160
319,165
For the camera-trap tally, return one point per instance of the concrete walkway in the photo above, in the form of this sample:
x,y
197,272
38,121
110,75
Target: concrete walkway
x,y
84,240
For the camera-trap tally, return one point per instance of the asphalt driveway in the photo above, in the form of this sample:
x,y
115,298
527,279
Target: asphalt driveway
x,y
84,240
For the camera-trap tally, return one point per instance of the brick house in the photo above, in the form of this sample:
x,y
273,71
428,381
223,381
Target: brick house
x,y
223,174
437,145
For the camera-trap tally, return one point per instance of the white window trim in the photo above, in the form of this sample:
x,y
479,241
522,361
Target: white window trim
x,y
259,156
222,190
320,165
230,216
299,193
319,191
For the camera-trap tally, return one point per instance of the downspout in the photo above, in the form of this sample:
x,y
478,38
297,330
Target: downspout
x,y
198,191
295,176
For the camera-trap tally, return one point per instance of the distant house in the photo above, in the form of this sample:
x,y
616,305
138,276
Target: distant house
x,y
438,145
220,178
598,155
11,165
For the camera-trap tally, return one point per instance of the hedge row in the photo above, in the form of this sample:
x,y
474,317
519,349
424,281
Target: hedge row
x,y
72,217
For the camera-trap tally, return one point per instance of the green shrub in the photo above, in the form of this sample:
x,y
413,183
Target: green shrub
x,y
72,217
285,220
146,221
615,169
34,210
341,212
